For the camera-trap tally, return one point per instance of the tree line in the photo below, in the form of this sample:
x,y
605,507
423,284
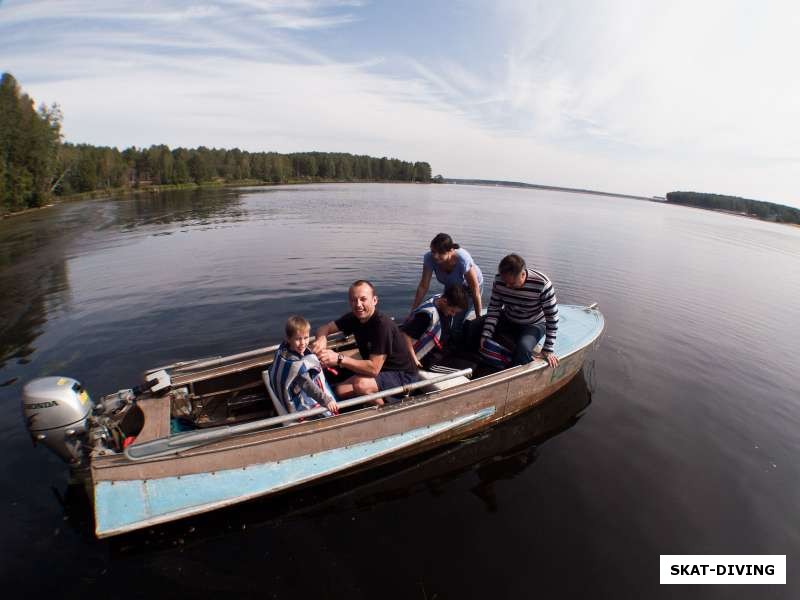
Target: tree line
x,y
86,168
766,211
36,164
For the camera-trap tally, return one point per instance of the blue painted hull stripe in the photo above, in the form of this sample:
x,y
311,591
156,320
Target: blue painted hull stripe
x,y
127,505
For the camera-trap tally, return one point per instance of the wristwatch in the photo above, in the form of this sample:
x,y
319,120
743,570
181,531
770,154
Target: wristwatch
x,y
339,360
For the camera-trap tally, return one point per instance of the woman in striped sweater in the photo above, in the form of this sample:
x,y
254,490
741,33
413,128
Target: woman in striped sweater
x,y
524,307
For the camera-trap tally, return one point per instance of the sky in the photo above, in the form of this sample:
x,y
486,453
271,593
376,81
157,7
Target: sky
x,y
637,97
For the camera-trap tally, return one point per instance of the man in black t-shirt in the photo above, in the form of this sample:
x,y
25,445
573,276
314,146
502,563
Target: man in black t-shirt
x,y
385,362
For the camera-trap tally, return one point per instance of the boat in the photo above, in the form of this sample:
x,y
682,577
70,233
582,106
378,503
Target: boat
x,y
140,470
484,462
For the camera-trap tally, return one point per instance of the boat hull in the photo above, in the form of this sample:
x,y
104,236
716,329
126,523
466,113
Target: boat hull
x,y
129,495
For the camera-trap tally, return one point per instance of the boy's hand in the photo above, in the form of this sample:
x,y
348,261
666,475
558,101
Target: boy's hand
x,y
328,358
333,407
319,345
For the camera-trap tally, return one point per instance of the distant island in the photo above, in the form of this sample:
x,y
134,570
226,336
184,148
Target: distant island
x,y
766,211
36,165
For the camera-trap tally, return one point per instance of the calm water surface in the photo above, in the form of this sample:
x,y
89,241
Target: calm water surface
x,y
689,444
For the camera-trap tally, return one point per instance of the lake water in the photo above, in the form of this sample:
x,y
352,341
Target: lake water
x,y
689,443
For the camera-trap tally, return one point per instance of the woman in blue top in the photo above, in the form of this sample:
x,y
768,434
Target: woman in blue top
x,y
452,265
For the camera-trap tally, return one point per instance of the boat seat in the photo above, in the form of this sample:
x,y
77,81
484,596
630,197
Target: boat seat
x,y
442,385
237,401
156,418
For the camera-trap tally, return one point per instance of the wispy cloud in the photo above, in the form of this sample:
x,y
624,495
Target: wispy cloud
x,y
290,15
635,97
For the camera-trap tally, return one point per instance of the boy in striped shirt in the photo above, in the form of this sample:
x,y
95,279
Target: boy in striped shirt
x,y
524,307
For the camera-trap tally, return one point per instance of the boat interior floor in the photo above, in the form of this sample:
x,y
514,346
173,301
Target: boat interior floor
x,y
456,359
244,397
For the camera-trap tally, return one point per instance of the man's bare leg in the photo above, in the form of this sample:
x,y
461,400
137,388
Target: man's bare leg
x,y
358,386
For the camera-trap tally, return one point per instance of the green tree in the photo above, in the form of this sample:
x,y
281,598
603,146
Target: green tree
x,y
281,167
243,165
181,159
29,143
198,169
10,119
422,172
259,166
2,184
86,171
162,165
344,168
19,184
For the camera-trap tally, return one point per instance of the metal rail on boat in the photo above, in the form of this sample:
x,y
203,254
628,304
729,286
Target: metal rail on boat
x,y
185,441
212,361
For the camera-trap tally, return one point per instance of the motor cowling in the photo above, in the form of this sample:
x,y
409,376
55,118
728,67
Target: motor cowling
x,y
57,411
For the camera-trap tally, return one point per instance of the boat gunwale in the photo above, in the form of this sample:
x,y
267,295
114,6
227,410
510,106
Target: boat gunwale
x,y
259,360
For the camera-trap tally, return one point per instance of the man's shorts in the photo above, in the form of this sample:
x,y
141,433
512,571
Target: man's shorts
x,y
390,379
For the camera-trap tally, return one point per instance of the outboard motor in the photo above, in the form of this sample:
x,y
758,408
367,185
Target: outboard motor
x,y
57,411
60,414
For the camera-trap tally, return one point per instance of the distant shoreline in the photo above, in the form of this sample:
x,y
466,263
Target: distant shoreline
x,y
156,189
115,193
661,200
553,188
732,213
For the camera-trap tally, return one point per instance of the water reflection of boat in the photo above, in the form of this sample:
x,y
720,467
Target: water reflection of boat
x,y
162,476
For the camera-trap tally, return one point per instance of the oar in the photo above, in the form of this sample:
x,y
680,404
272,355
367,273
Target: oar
x,y
192,439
